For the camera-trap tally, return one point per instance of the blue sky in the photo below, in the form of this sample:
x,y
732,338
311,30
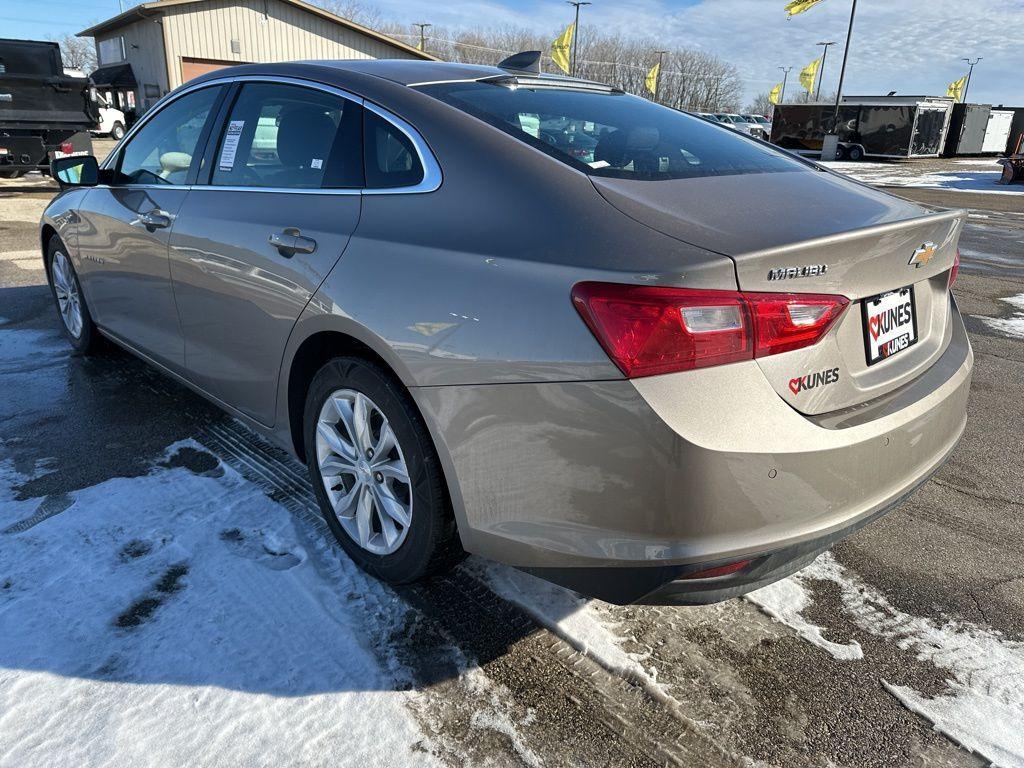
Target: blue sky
x,y
911,46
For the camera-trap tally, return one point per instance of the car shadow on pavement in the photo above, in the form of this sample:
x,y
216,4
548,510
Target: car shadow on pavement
x,y
136,548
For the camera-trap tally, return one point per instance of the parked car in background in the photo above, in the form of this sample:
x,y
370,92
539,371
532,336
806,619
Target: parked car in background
x,y
761,122
112,121
479,338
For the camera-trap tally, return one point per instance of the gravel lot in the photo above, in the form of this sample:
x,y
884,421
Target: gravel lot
x,y
905,647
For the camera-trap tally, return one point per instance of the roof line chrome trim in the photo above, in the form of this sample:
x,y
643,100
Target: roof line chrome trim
x,y
186,89
432,176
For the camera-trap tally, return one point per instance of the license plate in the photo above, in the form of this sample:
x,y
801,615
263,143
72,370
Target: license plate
x,y
890,325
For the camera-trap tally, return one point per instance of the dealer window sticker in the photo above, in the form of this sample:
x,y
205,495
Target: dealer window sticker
x,y
230,148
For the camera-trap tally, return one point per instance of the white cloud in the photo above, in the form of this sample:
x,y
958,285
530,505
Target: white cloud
x,y
911,46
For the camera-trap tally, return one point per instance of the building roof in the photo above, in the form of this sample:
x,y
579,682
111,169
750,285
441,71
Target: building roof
x,y
145,10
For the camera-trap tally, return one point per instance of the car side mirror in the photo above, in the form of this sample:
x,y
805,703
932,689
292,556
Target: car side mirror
x,y
76,171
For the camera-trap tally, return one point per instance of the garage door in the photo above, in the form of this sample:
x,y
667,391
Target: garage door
x,y
191,68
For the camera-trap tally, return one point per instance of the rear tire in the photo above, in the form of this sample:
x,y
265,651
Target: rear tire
x,y
12,174
72,311
117,132
384,500
856,154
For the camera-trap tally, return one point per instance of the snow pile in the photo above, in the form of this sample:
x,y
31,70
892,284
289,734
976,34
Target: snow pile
x,y
1012,326
983,708
182,619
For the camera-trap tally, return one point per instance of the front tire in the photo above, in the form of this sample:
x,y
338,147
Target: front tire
x,y
72,310
856,154
117,132
376,474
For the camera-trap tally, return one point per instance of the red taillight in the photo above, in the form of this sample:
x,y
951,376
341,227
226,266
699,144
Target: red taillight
x,y
647,330
67,147
717,571
955,270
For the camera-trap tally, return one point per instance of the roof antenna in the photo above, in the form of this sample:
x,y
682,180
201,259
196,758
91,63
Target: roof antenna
x,y
524,61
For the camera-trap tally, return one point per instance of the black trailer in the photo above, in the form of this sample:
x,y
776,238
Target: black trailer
x,y
868,126
44,113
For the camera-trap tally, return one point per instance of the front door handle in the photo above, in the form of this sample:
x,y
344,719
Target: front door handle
x,y
155,219
290,241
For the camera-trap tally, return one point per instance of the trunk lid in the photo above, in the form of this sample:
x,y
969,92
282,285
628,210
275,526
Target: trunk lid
x,y
816,232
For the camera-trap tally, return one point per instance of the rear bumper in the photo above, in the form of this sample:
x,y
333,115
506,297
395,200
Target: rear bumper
x,y
618,488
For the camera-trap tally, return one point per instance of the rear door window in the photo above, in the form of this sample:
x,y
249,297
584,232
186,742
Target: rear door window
x,y
283,136
612,134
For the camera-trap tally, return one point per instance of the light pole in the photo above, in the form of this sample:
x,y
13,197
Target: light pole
x,y
842,71
970,72
785,77
821,69
575,33
423,36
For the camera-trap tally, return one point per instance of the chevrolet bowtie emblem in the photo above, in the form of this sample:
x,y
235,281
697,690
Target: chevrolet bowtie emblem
x,y
922,255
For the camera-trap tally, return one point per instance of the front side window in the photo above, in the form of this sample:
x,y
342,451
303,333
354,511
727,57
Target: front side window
x,y
287,136
612,134
162,151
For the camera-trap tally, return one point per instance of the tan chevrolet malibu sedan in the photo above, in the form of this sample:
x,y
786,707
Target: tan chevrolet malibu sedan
x,y
528,317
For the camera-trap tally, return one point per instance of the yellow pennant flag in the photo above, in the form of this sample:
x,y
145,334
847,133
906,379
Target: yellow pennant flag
x,y
562,47
799,6
956,89
651,82
808,74
419,45
774,93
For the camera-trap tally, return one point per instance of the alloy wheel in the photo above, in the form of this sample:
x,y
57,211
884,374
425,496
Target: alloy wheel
x,y
66,289
364,471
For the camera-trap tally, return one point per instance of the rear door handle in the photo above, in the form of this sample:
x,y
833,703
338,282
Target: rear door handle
x,y
155,219
290,241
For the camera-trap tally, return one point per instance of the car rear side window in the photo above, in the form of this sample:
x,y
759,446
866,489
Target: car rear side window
x,y
612,134
390,158
289,137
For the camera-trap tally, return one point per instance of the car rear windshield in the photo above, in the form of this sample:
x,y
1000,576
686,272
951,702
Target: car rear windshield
x,y
612,134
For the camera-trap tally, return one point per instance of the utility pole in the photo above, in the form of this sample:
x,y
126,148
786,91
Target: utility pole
x,y
575,34
423,36
785,77
657,83
842,72
970,72
821,69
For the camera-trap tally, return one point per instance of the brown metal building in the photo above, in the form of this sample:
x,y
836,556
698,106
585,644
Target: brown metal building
x,y
154,47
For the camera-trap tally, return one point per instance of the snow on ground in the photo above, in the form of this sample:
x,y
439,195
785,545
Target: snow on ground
x,y
183,619
970,176
983,708
1012,326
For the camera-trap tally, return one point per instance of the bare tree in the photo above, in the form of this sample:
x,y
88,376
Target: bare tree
x,y
691,80
761,105
78,53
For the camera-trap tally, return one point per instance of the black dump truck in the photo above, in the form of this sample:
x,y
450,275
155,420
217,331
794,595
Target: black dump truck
x,y
869,126
44,113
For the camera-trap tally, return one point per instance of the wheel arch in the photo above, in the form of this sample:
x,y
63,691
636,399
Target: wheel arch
x,y
316,348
